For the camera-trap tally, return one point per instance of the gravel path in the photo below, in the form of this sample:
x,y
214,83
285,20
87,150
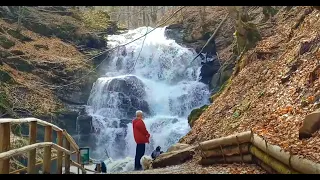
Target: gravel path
x,y
198,169
192,167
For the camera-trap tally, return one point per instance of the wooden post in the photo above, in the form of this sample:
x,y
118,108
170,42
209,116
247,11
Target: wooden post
x,y
32,153
78,161
47,150
67,158
4,146
60,153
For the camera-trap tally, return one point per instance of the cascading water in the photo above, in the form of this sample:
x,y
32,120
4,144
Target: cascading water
x,y
159,83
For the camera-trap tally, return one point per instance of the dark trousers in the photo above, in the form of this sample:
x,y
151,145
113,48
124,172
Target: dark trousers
x,y
139,153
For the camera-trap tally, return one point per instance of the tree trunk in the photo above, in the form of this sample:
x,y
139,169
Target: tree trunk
x,y
230,159
227,151
301,165
239,138
144,18
264,165
128,16
270,161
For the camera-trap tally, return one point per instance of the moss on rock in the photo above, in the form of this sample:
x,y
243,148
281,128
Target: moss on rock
x,y
195,114
5,76
6,43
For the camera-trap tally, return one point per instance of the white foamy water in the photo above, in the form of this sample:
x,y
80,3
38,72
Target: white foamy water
x,y
158,83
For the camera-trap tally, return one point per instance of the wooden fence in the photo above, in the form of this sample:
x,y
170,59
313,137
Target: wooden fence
x,y
65,146
248,147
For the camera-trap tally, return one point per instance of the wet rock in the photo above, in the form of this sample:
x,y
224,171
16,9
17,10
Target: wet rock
x,y
124,123
72,97
175,32
88,140
130,85
68,120
311,124
172,158
140,104
84,123
128,95
208,69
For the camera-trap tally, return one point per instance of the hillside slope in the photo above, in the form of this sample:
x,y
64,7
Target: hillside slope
x,y
47,63
270,92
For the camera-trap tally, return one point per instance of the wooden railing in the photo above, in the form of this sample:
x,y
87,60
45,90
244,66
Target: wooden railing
x,y
65,143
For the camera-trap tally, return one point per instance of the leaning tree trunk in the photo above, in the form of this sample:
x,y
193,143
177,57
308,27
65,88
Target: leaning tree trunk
x,y
227,151
236,139
270,161
230,159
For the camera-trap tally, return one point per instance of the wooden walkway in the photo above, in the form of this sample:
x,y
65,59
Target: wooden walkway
x,y
65,147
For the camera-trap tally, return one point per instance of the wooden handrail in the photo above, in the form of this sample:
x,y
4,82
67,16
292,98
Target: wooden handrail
x,y
42,123
14,152
71,140
27,120
78,166
37,164
48,144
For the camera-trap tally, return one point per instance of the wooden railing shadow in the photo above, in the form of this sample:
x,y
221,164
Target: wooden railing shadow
x,y
65,146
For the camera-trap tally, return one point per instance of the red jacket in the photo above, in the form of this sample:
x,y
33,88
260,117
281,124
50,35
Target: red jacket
x,y
140,133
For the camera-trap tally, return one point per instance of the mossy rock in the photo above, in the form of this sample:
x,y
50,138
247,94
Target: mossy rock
x,y
19,64
4,54
40,46
6,43
4,102
18,35
195,114
16,52
5,77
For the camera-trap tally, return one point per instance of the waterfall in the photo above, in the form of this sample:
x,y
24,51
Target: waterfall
x,y
156,81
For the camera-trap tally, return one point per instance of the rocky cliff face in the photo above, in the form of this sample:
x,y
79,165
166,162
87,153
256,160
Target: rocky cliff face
x,y
275,88
45,70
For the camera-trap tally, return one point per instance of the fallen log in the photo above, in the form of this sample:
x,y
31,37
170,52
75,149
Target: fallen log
x,y
227,151
229,159
263,165
235,139
173,158
297,163
178,146
270,161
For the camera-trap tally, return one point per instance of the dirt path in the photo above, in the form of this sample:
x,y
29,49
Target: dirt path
x,y
193,167
189,168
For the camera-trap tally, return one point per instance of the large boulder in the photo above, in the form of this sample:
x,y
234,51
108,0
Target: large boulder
x,y
311,124
175,32
178,146
128,93
208,69
173,158
129,85
84,124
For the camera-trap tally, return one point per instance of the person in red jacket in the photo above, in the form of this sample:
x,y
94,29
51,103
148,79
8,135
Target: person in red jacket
x,y
141,136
